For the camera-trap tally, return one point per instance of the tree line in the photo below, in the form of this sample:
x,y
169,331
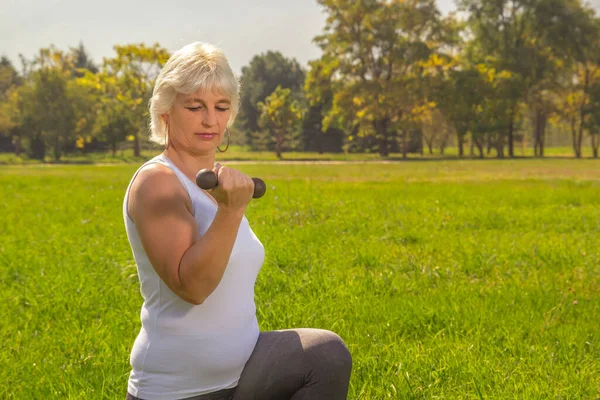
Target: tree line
x,y
394,77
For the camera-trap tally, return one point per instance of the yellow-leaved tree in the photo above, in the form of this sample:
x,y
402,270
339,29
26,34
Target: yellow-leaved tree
x,y
128,78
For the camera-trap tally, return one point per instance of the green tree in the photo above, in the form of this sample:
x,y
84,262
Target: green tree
x,y
280,115
377,45
534,40
44,104
318,87
9,80
500,28
259,79
578,107
81,60
594,117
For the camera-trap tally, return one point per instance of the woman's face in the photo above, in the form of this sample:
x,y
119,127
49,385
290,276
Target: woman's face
x,y
197,121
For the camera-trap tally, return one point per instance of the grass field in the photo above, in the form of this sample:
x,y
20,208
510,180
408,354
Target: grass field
x,y
447,279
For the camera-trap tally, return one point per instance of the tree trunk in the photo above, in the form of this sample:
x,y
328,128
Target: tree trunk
x,y
500,146
536,134
429,145
38,148
543,133
490,143
472,147
460,144
404,144
576,148
444,142
57,148
595,143
580,139
381,129
136,145
479,145
113,146
279,145
18,145
511,135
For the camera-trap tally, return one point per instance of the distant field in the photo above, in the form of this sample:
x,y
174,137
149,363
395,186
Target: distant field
x,y
447,279
237,153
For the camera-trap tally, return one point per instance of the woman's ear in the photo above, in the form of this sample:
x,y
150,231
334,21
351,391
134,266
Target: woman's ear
x,y
165,118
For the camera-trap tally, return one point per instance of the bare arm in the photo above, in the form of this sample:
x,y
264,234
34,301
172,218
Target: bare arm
x,y
190,265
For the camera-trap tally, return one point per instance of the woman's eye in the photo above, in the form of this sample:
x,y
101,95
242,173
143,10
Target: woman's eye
x,y
221,109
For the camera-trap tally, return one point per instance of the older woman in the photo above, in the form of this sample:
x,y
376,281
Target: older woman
x,y
198,259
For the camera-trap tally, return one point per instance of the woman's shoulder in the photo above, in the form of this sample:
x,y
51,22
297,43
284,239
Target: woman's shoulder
x,y
156,183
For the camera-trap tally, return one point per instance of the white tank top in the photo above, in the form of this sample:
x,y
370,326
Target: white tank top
x,y
185,350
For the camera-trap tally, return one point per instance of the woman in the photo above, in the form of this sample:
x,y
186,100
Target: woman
x,y
198,259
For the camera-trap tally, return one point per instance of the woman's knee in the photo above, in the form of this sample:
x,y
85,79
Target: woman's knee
x,y
331,351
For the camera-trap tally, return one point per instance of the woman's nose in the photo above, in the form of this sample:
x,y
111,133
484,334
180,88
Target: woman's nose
x,y
210,117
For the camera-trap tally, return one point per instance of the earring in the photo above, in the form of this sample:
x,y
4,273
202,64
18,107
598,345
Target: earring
x,y
166,137
223,151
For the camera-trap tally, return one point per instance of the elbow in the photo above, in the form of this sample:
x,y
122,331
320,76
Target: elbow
x,y
196,300
194,296
187,291
194,290
188,294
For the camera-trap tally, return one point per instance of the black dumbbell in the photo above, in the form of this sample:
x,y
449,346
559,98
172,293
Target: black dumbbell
x,y
207,180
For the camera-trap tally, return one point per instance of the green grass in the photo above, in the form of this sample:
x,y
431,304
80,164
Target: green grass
x,y
447,279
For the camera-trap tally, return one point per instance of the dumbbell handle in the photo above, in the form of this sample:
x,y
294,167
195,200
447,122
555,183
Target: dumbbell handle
x,y
207,180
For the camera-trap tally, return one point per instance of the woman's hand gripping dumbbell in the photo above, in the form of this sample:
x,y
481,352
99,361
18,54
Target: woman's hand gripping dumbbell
x,y
207,180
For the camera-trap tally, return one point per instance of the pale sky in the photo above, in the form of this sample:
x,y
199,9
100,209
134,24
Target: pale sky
x,y
242,28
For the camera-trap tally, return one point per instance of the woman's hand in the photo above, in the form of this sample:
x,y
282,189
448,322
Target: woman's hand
x,y
235,189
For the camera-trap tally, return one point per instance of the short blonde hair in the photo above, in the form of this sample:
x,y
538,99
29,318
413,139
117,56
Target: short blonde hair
x,y
195,66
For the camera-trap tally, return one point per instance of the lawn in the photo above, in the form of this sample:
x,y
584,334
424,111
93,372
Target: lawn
x,y
447,279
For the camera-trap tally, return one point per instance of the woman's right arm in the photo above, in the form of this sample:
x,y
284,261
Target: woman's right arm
x,y
191,265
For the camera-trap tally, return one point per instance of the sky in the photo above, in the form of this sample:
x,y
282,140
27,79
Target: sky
x,y
241,28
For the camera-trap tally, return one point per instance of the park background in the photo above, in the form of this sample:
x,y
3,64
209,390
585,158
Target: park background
x,y
432,186
484,78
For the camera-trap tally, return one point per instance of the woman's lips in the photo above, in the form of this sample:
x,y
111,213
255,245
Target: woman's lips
x,y
206,136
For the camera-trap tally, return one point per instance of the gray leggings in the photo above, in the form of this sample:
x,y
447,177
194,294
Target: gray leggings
x,y
291,364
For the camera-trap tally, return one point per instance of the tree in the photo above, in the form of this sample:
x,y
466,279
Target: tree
x,y
280,115
134,70
578,107
588,55
9,80
377,45
113,118
460,97
534,40
318,87
594,116
81,60
44,104
500,28
432,123
548,64
259,79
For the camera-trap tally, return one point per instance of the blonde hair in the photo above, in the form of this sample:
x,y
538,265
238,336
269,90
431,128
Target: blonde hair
x,y
195,66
